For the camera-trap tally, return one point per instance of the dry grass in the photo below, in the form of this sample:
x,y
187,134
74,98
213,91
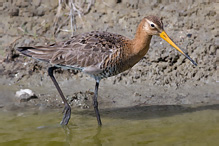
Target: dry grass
x,y
74,8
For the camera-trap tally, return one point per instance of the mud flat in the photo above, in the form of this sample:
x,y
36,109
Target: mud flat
x,y
162,77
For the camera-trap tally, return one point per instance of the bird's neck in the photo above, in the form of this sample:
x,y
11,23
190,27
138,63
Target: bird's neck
x,y
141,42
137,48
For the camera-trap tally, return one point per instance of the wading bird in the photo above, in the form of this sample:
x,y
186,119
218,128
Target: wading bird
x,y
99,54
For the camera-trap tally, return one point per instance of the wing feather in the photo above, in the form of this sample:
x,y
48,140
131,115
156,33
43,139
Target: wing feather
x,y
81,51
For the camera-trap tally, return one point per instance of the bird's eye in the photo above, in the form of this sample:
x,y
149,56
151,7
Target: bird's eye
x,y
152,25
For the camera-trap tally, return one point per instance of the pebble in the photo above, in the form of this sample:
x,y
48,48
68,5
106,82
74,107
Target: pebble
x,y
24,95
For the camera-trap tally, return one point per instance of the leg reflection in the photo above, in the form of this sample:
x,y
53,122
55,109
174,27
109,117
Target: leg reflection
x,y
96,137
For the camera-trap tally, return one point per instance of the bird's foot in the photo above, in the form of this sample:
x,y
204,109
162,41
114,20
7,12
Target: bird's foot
x,y
67,115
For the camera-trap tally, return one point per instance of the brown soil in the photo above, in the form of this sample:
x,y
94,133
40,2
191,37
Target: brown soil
x,y
162,77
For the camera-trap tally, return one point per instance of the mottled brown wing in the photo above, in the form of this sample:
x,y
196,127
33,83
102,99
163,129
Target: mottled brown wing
x,y
80,51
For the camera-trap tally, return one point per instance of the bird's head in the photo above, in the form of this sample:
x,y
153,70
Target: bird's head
x,y
154,26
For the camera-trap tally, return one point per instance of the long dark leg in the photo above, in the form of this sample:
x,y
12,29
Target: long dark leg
x,y
96,104
67,109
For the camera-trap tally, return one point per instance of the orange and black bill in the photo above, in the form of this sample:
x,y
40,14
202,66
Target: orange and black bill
x,y
164,36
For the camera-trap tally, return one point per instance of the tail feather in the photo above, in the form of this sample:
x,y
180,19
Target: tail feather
x,y
25,51
38,53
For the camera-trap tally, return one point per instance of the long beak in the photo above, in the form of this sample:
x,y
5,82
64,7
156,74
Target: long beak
x,y
164,36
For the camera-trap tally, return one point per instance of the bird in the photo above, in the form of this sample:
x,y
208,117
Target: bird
x,y
99,54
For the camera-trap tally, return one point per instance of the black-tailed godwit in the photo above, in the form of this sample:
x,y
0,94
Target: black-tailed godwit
x,y
99,54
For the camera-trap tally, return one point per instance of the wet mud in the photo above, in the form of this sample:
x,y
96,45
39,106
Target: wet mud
x,y
162,77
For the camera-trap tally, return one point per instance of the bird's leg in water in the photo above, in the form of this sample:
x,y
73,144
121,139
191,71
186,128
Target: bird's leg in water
x,y
67,109
96,103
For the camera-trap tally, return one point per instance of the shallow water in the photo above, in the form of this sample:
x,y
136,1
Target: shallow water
x,y
151,125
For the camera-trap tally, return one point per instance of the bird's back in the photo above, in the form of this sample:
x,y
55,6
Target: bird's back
x,y
96,53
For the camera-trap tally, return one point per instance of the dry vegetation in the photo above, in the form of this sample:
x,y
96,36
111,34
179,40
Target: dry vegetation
x,y
74,8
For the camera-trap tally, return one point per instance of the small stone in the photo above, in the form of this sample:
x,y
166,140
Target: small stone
x,y
25,95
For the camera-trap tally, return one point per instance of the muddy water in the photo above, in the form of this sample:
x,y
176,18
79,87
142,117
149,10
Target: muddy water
x,y
153,125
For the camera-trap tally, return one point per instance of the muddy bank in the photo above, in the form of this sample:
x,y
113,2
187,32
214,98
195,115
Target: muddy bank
x,y
163,76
